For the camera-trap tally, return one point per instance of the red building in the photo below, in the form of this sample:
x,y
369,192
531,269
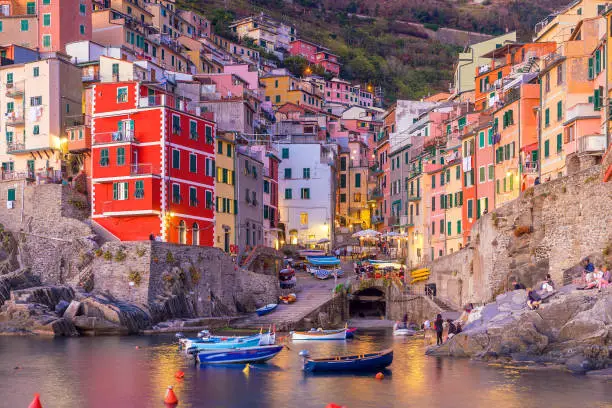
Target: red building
x,y
315,54
152,165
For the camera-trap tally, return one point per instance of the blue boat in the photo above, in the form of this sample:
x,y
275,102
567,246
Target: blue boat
x,y
252,355
266,309
224,345
362,362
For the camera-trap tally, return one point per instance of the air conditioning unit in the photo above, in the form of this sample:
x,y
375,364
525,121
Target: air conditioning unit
x,y
10,204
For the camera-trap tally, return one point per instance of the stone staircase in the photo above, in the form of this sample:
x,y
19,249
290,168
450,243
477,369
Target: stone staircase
x,y
103,235
448,312
313,295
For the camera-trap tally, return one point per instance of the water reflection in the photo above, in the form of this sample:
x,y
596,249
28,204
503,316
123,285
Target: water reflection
x,y
111,372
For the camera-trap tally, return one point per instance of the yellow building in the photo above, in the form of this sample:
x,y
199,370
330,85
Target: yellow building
x,y
352,191
226,205
452,203
416,231
39,100
282,88
559,27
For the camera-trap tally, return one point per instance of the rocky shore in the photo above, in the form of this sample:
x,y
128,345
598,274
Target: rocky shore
x,y
572,328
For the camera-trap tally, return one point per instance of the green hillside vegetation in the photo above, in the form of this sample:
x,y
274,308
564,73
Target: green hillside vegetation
x,y
377,50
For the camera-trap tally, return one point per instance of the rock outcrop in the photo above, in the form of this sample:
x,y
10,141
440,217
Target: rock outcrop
x,y
572,327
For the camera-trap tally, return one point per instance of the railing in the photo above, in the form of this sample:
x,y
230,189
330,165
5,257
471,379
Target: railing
x,y
592,144
14,118
377,219
375,193
15,147
530,167
77,120
359,163
14,89
141,168
162,100
115,137
90,77
414,197
581,110
552,58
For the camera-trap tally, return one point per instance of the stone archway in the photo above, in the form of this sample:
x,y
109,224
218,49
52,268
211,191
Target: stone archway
x,y
368,303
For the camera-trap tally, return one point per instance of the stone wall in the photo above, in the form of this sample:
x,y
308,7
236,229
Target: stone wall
x,y
417,307
548,229
180,281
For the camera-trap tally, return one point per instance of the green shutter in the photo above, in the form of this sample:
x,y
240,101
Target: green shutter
x,y
459,227
546,117
546,148
559,142
591,71
596,100
193,163
11,194
559,110
120,156
478,204
449,226
470,209
358,180
115,191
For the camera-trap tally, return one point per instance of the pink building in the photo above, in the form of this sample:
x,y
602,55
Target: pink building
x,y
316,54
40,25
436,223
340,91
244,71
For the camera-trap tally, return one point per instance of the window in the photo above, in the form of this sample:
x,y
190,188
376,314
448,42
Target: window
x,y
82,29
176,193
481,175
306,172
481,139
433,229
176,124
36,101
47,41
36,130
358,180
546,117
31,7
470,209
193,130
120,156
287,173
46,20
459,227
458,173
491,172
343,198
120,191
547,148
11,194
441,227
343,164
303,218
591,69
305,194
0,26
229,150
343,181
433,203
139,191
266,187
433,181
104,157
285,153
288,194
193,163
277,99
559,143
82,9
46,2
442,179
219,147
559,110
36,72
176,159
193,197
122,94
449,226
560,74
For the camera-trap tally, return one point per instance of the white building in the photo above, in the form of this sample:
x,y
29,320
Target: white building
x,y
307,189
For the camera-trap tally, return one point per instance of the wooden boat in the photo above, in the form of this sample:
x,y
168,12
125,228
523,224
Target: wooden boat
x,y
404,332
350,333
266,309
362,362
322,273
224,345
252,355
313,334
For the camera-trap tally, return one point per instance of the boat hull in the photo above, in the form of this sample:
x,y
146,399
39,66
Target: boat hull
x,y
363,363
266,309
320,335
404,332
253,355
224,345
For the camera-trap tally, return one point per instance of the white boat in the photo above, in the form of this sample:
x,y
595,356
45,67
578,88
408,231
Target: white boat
x,y
403,331
313,334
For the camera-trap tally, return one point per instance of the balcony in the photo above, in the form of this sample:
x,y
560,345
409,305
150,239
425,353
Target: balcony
x,y
15,90
15,147
141,169
115,137
414,197
375,194
14,118
162,100
592,144
530,167
581,111
79,138
90,77
394,220
377,219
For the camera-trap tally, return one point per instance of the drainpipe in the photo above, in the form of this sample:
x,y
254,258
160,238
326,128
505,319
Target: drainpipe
x,y
540,134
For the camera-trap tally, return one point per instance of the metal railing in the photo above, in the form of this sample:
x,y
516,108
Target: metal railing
x,y
115,137
592,144
15,147
90,77
141,168
530,167
15,89
14,118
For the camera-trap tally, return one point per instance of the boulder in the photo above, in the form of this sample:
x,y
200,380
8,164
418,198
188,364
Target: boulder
x,y
61,328
97,326
61,307
72,310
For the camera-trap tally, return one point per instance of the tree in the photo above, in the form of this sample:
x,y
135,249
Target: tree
x,y
296,64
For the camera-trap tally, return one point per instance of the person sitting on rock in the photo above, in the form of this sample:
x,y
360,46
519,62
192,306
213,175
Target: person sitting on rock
x,y
533,299
605,279
593,278
452,329
548,285
459,329
517,285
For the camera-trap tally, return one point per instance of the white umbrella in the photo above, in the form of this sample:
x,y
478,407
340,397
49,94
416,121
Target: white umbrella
x,y
366,234
323,241
392,234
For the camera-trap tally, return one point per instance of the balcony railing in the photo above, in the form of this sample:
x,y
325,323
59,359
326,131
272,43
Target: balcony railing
x,y
15,89
90,77
115,137
141,169
377,219
414,197
14,147
14,118
581,110
592,144
375,193
530,167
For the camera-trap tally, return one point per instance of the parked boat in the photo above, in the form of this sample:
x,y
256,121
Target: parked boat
x,y
252,355
404,332
224,345
350,333
323,267
313,334
362,362
266,309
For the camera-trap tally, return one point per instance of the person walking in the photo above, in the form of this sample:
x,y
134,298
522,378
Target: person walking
x,y
439,326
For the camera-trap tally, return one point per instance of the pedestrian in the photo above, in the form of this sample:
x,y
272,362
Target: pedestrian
x,y
405,321
439,326
452,330
151,237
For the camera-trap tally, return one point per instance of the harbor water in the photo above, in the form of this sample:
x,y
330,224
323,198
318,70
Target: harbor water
x,y
109,372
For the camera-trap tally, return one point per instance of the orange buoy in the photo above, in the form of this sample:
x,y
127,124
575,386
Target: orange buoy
x,y
332,405
180,375
137,347
35,402
380,376
170,397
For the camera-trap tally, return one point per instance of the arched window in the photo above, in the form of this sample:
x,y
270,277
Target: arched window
x,y
182,232
195,234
